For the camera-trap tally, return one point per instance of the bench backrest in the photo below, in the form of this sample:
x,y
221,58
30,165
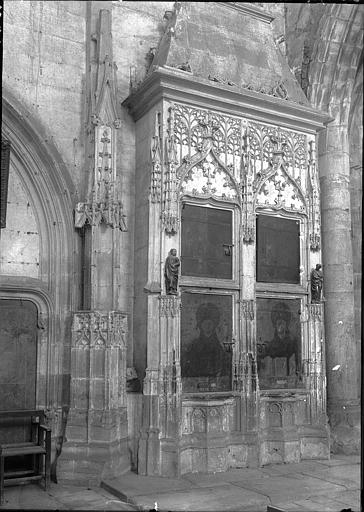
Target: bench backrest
x,y
16,426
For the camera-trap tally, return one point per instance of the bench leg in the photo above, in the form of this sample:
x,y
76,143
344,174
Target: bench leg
x,y
1,480
47,476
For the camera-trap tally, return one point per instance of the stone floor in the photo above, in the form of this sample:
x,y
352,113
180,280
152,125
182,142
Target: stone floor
x,y
61,497
320,486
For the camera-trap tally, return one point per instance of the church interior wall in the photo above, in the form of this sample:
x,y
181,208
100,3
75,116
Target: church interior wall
x,y
45,68
20,240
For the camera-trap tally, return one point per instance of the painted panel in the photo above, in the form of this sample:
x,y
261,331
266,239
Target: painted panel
x,y
279,343
206,322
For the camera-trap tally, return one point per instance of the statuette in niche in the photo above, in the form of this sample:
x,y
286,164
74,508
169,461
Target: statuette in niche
x,y
317,280
171,270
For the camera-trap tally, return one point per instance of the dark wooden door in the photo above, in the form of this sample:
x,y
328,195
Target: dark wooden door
x,y
206,248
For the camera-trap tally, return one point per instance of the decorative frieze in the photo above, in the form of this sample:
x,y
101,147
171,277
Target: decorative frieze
x,y
93,329
278,90
94,213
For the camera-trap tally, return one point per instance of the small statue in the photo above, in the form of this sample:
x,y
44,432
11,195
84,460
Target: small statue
x,y
317,280
171,272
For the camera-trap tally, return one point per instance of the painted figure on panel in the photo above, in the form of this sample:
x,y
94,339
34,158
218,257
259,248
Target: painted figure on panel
x,y
171,269
317,280
206,356
282,344
279,357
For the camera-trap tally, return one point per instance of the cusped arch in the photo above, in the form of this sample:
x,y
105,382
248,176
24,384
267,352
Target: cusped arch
x,y
207,177
279,191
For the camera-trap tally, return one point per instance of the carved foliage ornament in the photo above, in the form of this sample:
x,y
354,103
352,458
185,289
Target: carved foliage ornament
x,y
99,330
278,90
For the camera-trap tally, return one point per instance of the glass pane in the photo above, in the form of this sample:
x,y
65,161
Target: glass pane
x,y
278,250
279,343
206,323
206,242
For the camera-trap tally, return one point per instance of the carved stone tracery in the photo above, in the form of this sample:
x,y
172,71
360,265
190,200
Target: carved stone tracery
x,y
233,159
93,329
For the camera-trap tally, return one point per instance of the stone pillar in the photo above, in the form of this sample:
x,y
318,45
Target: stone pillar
x,y
96,445
342,390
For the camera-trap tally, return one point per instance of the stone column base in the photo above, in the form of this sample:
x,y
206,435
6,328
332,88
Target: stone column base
x,y
90,463
344,420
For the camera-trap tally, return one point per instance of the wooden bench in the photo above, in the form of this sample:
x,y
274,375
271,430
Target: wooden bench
x,y
38,447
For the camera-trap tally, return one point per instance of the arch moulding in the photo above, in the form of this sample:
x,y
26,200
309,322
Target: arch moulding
x,y
51,191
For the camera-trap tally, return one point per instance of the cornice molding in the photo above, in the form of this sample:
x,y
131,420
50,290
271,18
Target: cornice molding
x,y
251,10
180,86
